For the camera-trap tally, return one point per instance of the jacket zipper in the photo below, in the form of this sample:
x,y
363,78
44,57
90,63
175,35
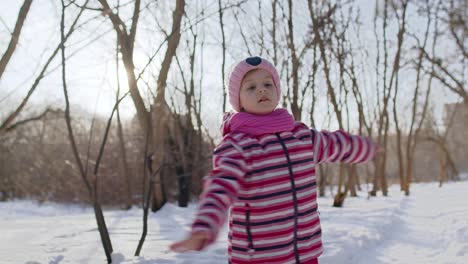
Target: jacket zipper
x,y
293,186
250,247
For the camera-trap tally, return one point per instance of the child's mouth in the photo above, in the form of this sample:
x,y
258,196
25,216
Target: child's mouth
x,y
263,99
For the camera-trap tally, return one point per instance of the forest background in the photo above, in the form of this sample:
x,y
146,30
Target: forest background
x,y
112,102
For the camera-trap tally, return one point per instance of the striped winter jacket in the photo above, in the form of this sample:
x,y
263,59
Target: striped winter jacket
x,y
268,184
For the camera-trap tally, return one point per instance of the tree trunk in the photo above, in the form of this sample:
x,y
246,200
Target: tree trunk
x,y
394,76
443,168
351,184
161,112
322,181
413,137
295,108
93,185
223,45
340,195
123,153
161,108
383,180
126,170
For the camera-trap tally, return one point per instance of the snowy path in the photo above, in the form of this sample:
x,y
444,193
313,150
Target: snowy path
x,y
430,226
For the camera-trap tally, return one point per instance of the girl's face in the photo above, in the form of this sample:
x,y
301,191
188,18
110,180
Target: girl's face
x,y
258,92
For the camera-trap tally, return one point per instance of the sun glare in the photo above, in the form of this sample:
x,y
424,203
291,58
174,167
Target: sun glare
x,y
121,73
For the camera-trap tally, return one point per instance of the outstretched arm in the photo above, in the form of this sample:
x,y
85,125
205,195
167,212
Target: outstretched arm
x,y
220,191
340,146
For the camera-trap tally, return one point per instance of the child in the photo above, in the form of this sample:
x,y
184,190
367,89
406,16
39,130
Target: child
x,y
264,175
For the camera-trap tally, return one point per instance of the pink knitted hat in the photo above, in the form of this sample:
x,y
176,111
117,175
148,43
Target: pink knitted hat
x,y
241,69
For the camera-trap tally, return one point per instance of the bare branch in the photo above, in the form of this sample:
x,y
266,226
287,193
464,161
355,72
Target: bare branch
x,y
73,2
34,118
133,29
459,88
15,36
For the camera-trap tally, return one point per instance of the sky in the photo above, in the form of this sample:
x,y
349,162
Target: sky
x,y
430,226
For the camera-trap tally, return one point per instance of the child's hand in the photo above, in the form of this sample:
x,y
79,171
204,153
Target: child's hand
x,y
193,242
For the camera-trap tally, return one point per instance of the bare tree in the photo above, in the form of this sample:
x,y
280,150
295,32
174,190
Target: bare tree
x,y
296,111
363,123
321,175
395,74
414,130
123,151
183,137
319,23
273,32
380,181
93,185
447,167
160,101
223,45
126,41
297,67
343,52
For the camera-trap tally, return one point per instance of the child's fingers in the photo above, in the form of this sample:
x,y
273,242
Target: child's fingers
x,y
193,242
179,247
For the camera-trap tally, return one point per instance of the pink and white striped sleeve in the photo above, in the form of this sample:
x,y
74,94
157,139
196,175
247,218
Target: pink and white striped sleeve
x,y
340,146
220,190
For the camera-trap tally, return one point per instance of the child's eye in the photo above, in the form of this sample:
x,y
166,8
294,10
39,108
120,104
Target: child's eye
x,y
268,84
250,88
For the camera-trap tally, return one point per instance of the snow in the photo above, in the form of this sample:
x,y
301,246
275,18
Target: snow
x,y
430,226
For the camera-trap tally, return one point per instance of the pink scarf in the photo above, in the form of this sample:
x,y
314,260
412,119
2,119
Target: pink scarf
x,y
276,121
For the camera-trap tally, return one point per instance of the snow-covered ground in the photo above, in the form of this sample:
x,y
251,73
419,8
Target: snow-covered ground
x,y
430,226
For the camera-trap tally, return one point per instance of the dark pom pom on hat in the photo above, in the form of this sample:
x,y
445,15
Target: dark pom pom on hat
x,y
254,61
